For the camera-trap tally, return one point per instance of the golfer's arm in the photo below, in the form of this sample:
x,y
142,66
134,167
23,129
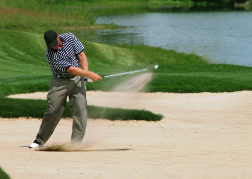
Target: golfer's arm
x,y
81,72
83,60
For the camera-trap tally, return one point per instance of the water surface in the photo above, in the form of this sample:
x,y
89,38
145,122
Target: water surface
x,y
223,37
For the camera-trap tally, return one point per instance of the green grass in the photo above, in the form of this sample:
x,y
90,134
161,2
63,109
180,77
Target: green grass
x,y
45,4
77,15
195,78
15,108
31,20
24,70
177,72
3,175
63,16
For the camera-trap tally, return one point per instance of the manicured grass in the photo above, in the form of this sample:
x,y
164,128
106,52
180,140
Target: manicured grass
x,y
195,78
24,70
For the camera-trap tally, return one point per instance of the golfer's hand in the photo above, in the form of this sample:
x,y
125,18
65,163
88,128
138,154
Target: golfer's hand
x,y
95,77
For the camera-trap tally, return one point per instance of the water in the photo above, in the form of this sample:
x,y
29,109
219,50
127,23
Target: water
x,y
223,37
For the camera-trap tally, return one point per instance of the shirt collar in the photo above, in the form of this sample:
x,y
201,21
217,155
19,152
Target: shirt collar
x,y
62,39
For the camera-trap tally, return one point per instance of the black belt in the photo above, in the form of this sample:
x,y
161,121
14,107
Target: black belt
x,y
70,76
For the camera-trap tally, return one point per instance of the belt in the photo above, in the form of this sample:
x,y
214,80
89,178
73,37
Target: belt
x,y
70,76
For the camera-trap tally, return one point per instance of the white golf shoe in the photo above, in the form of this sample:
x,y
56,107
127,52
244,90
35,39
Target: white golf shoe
x,y
35,144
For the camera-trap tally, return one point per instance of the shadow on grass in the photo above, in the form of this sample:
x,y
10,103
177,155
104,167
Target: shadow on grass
x,y
15,108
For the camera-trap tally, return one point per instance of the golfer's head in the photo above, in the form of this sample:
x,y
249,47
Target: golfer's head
x,y
51,39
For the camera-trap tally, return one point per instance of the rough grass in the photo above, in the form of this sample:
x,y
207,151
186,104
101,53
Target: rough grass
x,y
45,4
63,20
76,16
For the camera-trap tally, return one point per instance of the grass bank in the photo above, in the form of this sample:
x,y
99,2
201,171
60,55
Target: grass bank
x,y
186,73
30,20
45,4
24,69
76,16
177,72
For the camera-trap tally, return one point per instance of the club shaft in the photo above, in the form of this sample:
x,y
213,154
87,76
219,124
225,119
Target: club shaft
x,y
125,73
119,74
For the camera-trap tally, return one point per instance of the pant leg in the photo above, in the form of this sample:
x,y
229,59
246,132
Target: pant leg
x,y
56,105
78,105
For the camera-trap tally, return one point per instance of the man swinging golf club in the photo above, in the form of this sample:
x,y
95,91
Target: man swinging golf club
x,y
69,66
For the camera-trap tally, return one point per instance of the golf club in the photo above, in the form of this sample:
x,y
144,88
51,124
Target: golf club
x,y
119,74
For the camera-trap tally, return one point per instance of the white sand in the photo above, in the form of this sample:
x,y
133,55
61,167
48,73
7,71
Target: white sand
x,y
206,135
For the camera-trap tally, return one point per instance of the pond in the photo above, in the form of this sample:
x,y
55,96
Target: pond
x,y
222,37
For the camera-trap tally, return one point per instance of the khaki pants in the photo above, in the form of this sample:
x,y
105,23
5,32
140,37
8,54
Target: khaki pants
x,y
60,88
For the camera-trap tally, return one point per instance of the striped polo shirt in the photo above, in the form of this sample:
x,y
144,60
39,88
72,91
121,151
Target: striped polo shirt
x,y
60,60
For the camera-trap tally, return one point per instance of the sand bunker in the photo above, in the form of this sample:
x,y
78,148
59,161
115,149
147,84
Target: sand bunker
x,y
205,135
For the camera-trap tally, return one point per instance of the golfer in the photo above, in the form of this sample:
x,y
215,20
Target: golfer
x,y
69,66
